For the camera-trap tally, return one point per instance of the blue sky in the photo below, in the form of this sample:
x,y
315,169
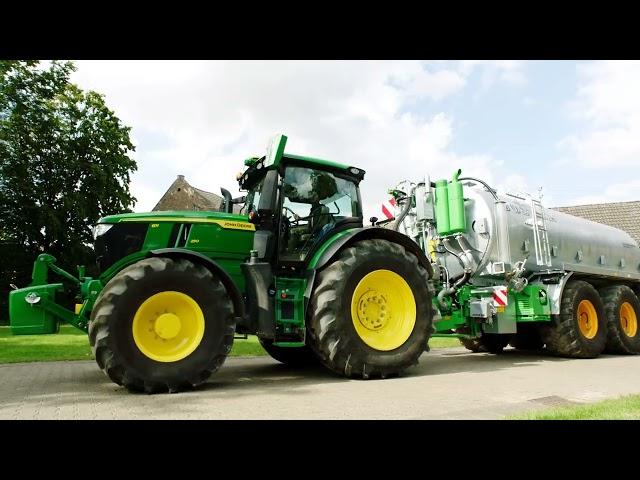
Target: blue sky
x,y
571,127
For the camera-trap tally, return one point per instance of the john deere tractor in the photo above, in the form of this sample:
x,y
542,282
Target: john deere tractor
x,y
296,267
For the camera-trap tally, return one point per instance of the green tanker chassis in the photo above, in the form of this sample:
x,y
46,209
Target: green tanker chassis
x,y
273,267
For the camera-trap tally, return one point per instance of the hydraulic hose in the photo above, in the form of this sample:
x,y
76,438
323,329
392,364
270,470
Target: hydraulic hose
x,y
405,210
491,190
445,292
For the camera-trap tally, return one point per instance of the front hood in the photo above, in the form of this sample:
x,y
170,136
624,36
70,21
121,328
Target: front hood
x,y
188,216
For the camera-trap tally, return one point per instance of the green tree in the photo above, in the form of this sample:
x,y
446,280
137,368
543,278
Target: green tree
x,y
64,163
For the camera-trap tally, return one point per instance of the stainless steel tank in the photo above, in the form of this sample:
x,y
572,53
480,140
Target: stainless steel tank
x,y
506,229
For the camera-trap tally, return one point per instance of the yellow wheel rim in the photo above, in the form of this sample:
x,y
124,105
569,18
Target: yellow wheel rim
x,y
628,319
168,326
383,310
587,319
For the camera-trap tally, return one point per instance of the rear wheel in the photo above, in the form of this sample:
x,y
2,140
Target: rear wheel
x,y
370,313
162,325
580,330
293,356
622,311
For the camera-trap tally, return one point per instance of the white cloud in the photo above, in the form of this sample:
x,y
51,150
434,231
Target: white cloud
x,y
204,118
494,71
608,102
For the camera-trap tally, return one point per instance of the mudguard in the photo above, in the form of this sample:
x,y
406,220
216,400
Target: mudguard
x,y
227,281
370,233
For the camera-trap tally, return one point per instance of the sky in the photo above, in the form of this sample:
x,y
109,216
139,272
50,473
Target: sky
x,y
570,128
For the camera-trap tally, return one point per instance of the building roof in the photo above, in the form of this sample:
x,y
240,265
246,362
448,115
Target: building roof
x,y
182,196
622,215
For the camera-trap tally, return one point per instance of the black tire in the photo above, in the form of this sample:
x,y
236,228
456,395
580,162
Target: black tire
x,y
332,334
618,341
527,338
563,336
111,334
295,357
488,342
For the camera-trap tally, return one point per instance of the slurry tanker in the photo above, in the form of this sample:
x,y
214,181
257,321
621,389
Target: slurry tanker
x,y
299,269
509,270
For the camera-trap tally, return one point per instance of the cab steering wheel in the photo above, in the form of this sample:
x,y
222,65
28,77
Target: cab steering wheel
x,y
296,218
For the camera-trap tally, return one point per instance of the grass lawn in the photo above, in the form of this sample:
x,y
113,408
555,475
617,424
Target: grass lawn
x,y
623,408
72,344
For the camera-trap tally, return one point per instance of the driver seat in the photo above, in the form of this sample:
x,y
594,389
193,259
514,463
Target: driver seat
x,y
320,218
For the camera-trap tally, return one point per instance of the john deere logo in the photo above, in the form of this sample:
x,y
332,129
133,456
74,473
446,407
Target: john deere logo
x,y
240,225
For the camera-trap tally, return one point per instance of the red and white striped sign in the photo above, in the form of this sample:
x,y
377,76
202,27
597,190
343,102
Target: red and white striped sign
x,y
389,208
500,296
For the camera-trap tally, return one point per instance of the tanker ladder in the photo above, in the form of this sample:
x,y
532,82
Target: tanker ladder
x,y
540,238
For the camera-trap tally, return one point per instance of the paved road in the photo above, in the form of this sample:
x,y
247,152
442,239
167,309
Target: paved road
x,y
447,384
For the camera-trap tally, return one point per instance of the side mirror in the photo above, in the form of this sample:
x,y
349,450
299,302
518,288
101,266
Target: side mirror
x,y
373,221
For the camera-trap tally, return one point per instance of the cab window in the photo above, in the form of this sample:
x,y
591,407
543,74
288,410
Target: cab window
x,y
313,202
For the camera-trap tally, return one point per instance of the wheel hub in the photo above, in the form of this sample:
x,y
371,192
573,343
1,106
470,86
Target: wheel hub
x,y
587,319
373,310
628,320
167,326
383,310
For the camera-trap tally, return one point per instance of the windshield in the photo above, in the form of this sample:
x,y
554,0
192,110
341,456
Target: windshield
x,y
314,201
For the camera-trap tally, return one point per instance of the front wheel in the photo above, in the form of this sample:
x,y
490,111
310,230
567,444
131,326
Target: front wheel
x,y
371,311
162,325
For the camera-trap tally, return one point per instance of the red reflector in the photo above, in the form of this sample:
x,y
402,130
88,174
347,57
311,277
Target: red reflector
x,y
283,295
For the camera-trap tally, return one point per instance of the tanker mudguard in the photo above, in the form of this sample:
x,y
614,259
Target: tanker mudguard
x,y
369,233
232,289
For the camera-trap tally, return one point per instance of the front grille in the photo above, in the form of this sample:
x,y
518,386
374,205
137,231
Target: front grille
x,y
120,240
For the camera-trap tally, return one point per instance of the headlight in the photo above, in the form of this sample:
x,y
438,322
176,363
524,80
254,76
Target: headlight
x,y
101,229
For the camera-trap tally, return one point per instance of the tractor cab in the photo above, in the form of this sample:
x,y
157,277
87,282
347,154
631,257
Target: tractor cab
x,y
297,203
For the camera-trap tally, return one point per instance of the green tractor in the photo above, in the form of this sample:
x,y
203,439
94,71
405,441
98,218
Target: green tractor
x,y
296,267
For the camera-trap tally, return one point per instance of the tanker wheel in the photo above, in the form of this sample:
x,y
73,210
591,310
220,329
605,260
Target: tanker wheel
x,y
527,338
371,313
162,325
622,310
488,342
580,330
293,356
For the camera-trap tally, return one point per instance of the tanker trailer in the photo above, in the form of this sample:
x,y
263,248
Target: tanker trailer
x,y
510,271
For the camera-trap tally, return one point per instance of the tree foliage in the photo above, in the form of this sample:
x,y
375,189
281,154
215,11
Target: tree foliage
x,y
64,163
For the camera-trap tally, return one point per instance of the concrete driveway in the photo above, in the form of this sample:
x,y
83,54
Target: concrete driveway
x,y
447,384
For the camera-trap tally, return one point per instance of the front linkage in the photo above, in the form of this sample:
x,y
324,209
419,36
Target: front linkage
x,y
34,310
